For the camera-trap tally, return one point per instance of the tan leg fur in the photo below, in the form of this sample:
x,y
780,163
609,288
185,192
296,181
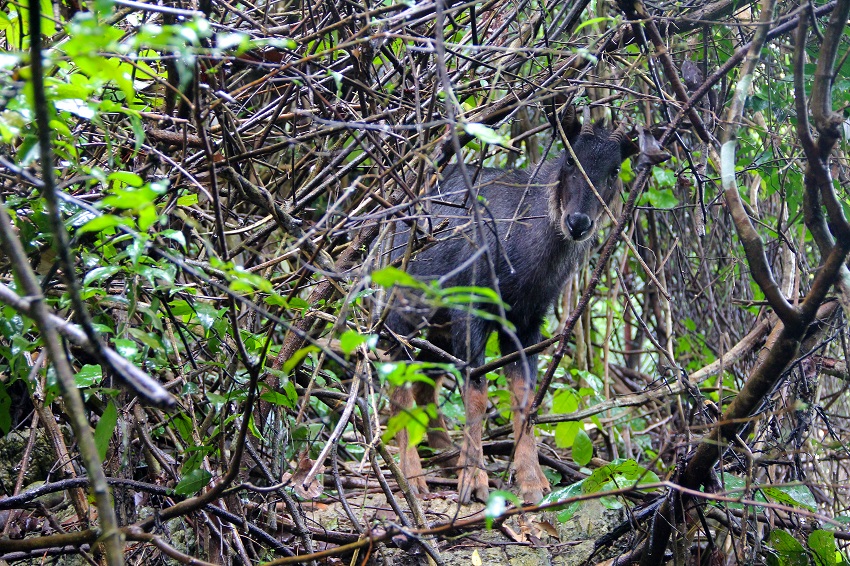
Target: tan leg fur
x,y
530,478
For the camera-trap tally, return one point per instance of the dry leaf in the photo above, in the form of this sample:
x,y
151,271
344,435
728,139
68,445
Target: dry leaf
x,y
314,488
512,534
548,528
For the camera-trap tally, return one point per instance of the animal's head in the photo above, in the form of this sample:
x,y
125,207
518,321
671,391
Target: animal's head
x,y
573,205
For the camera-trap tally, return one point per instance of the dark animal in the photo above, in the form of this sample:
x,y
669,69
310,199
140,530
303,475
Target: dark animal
x,y
534,231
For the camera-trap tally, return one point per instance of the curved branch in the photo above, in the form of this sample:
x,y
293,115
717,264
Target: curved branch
x,y
750,239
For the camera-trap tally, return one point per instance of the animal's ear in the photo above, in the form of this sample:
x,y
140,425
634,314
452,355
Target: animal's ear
x,y
651,152
568,120
629,146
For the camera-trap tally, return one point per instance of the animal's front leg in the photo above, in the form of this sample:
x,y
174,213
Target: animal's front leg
x,y
532,482
472,477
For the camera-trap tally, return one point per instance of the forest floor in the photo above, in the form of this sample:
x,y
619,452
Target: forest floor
x,y
520,540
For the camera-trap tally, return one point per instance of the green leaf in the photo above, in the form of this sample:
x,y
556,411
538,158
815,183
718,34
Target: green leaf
x,y
291,394
276,398
822,544
414,420
403,373
565,433
5,410
192,483
127,348
88,376
184,426
297,357
792,495
592,21
389,276
187,200
350,340
126,178
101,273
619,473
582,448
175,235
486,134
104,429
104,222
789,549
565,400
661,198
565,493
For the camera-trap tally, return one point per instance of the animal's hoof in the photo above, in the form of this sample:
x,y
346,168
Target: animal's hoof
x,y
533,488
472,484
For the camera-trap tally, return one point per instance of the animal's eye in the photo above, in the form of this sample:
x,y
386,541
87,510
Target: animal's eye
x,y
570,162
615,172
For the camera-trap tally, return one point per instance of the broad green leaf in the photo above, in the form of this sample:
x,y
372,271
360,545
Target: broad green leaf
x,y
789,549
101,273
127,348
486,134
582,448
276,398
175,235
792,495
192,483
291,394
184,426
126,178
104,429
620,473
187,200
297,358
104,222
414,420
88,376
562,494
565,433
661,198
389,276
565,400
822,544
5,410
350,340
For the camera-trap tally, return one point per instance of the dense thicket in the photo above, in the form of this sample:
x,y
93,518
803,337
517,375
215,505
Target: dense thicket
x,y
198,199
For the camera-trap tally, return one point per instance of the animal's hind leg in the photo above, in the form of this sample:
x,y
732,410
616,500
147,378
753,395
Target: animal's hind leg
x,y
530,478
472,477
425,393
402,400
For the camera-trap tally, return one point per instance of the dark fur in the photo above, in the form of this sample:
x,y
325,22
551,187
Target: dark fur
x,y
526,231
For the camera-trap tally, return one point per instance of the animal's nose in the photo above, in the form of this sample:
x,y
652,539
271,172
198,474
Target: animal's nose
x,y
579,225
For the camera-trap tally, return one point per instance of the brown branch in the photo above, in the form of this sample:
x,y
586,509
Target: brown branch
x,y
748,235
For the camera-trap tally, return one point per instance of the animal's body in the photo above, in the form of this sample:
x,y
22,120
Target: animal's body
x,y
531,233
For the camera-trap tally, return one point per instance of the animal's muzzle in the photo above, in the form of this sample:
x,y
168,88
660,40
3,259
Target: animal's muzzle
x,y
579,225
